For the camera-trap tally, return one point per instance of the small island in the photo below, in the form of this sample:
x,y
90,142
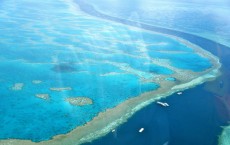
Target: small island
x,y
79,101
43,96
61,89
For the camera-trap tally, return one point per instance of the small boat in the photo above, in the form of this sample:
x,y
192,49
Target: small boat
x,y
163,104
179,93
113,130
141,130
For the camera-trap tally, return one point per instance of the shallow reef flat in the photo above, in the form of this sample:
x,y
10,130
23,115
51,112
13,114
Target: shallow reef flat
x,y
113,70
224,138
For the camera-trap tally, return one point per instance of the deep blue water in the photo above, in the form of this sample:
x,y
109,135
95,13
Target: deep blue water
x,y
192,118
208,18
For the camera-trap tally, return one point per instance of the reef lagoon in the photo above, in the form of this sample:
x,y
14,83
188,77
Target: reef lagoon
x,y
69,77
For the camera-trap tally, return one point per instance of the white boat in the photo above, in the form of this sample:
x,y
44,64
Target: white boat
x,y
179,93
163,104
113,130
141,130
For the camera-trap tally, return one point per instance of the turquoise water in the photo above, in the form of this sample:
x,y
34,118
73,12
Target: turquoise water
x,y
59,45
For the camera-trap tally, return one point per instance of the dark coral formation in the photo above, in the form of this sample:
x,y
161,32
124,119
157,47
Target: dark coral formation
x,y
64,68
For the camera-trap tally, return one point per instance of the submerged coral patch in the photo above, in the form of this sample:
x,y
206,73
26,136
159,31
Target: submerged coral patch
x,y
63,68
36,81
43,96
61,89
79,101
17,86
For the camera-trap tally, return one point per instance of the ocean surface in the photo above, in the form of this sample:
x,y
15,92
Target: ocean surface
x,y
51,51
208,18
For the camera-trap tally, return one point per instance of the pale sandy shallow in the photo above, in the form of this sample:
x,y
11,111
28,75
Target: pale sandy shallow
x,y
113,117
